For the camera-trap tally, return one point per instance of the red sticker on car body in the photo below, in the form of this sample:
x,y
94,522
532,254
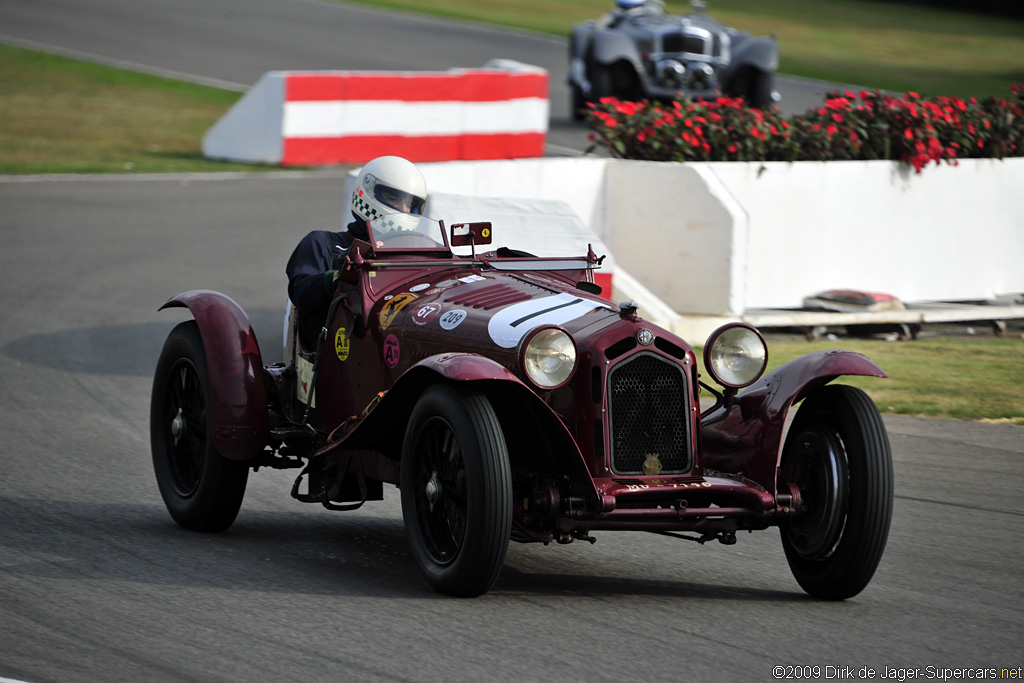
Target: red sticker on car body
x,y
425,313
392,352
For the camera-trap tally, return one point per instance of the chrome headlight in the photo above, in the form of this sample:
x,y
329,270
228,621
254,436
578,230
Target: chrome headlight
x,y
548,357
735,355
670,73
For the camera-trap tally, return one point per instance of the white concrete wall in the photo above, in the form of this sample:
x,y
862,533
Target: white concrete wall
x,y
717,239
251,130
678,231
947,233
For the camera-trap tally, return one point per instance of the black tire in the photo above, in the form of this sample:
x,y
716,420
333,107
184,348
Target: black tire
x,y
578,103
761,87
203,490
602,82
754,86
838,454
456,490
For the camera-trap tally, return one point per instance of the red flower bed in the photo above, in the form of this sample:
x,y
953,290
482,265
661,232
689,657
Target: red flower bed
x,y
868,125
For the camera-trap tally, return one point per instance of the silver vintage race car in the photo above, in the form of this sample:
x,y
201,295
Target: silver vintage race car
x,y
638,51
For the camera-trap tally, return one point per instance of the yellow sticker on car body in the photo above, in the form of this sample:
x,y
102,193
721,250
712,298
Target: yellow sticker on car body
x,y
392,307
341,344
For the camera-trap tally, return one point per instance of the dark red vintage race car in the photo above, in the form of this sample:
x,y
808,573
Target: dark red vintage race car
x,y
508,400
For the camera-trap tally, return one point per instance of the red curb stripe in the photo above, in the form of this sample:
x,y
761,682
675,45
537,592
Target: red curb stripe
x,y
357,149
462,86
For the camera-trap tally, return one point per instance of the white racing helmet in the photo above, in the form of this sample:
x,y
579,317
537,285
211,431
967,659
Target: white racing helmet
x,y
390,192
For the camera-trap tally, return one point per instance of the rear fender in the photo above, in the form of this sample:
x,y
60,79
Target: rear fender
x,y
532,430
748,440
238,394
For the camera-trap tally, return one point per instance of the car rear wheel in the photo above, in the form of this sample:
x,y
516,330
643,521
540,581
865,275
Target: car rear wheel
x,y
761,90
203,490
838,455
456,490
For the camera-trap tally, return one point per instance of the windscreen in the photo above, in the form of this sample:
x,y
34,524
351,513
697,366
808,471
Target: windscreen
x,y
405,232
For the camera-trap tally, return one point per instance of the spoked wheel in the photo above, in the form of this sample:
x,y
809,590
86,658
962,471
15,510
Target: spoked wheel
x,y
838,455
456,490
203,490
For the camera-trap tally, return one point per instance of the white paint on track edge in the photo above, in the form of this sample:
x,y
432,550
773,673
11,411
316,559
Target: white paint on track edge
x,y
121,64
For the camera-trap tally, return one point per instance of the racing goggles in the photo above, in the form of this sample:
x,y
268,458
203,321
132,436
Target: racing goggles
x,y
399,200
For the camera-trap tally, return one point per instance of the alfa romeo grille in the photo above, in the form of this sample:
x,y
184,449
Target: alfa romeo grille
x,y
648,407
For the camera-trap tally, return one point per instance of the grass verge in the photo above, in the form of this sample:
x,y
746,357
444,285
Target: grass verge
x,y
869,43
65,116
945,378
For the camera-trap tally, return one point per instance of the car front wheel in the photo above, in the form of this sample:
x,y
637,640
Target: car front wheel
x,y
202,489
838,455
578,103
456,490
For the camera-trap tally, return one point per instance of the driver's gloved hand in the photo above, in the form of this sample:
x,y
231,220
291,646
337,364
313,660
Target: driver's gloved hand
x,y
339,260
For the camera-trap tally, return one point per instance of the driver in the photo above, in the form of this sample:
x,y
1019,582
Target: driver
x,y
391,192
623,9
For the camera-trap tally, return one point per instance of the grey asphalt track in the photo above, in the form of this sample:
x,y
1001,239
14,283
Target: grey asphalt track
x,y
98,584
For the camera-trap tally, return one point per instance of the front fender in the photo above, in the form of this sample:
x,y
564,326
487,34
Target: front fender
x,y
612,46
760,53
531,428
238,394
748,440
579,40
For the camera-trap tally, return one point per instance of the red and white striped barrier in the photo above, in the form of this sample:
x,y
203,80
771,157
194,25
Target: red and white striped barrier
x,y
301,118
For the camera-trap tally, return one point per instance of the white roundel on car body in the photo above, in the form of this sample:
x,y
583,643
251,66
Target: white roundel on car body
x,y
452,319
511,324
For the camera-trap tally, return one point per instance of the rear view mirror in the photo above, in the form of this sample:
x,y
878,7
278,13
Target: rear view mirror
x,y
465,234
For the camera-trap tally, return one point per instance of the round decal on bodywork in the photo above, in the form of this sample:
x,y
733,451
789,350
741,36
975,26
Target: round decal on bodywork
x,y
392,307
452,319
511,324
391,351
425,313
341,344
419,287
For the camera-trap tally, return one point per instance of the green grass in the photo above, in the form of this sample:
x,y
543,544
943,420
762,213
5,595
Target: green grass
x,y
945,378
64,116
869,43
